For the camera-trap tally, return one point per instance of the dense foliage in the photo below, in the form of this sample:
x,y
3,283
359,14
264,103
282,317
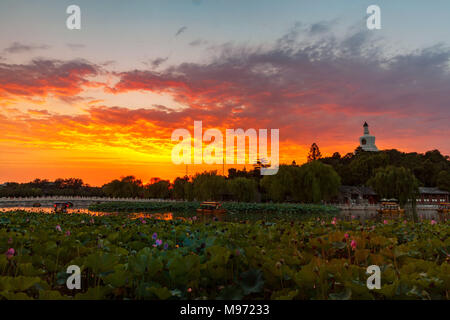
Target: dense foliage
x,y
318,180
59,187
432,169
310,183
121,258
314,153
395,182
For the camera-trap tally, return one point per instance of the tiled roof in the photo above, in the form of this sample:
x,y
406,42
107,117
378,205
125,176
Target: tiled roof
x,y
428,190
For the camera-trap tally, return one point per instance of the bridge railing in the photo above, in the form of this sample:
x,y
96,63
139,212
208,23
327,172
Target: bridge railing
x,y
78,198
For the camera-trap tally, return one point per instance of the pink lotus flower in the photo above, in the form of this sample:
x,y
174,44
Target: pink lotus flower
x,y
353,244
334,220
67,233
189,290
433,221
353,217
405,222
10,253
58,228
385,222
194,218
346,236
143,221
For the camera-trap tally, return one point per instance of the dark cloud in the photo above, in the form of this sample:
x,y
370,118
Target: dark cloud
x,y
155,63
180,31
17,47
320,27
320,84
313,86
108,63
198,42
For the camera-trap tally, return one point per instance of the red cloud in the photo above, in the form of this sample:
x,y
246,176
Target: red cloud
x,y
46,77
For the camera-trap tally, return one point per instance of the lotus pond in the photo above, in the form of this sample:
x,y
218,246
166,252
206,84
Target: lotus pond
x,y
231,207
138,257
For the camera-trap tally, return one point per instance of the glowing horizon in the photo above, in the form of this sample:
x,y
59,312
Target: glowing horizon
x,y
102,102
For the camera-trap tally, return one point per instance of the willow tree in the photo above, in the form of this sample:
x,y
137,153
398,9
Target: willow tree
x,y
281,186
396,182
209,186
310,183
243,189
317,182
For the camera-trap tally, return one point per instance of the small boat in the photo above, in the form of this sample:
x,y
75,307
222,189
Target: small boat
x,y
444,207
443,210
390,208
61,206
36,205
211,207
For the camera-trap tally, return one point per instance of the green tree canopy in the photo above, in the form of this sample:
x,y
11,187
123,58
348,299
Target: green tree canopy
x,y
243,189
395,182
126,187
179,191
443,180
317,182
158,190
209,186
356,169
311,183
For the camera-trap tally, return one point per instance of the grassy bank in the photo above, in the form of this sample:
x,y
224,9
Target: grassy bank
x,y
233,207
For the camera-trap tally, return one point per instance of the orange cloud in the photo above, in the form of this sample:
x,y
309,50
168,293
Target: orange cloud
x,y
41,78
321,92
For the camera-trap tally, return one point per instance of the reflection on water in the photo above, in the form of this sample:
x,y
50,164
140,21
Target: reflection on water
x,y
195,216
51,210
158,216
132,215
372,214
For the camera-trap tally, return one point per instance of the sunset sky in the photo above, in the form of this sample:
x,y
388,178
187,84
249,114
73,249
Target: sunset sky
x,y
102,102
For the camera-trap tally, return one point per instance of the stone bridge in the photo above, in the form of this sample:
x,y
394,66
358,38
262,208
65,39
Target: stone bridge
x,y
78,202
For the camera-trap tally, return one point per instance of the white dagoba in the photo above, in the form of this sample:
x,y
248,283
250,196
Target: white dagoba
x,y
367,142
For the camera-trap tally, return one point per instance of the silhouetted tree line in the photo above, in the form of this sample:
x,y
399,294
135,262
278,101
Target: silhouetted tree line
x,y
391,173
431,169
311,182
59,187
